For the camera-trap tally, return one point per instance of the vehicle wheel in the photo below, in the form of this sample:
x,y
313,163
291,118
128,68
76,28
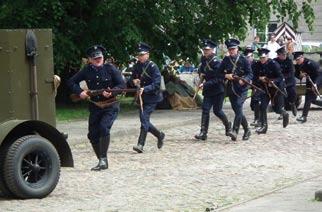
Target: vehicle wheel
x,y
32,167
4,191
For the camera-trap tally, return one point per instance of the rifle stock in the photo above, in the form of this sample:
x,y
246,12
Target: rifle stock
x,y
198,86
90,93
314,87
248,83
271,82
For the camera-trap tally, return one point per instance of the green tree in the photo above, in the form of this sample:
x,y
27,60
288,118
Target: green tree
x,y
172,27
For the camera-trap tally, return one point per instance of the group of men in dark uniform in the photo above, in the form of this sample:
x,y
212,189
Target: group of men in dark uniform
x,y
271,80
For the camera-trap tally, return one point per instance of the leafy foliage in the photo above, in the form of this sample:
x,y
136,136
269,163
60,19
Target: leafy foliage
x,y
172,27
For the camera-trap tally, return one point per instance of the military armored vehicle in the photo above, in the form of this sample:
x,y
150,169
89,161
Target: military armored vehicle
x,y
32,150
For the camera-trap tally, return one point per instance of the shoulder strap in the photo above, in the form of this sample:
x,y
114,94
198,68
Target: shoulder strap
x,y
234,63
144,71
207,63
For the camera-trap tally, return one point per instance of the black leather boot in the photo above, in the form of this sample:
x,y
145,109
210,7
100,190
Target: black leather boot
x,y
285,118
104,143
301,119
96,149
204,127
263,128
227,125
160,136
294,109
247,132
233,134
141,141
256,121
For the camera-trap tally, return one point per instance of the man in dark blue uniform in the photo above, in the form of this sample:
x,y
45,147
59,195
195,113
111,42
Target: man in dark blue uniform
x,y
102,112
267,74
146,75
236,65
213,89
254,101
305,68
289,78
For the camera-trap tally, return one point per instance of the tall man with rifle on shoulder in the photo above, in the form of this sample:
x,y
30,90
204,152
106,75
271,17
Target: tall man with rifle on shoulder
x,y
238,73
146,75
213,89
268,75
102,107
310,70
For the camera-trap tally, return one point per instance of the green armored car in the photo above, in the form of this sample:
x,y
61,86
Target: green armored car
x,y
32,150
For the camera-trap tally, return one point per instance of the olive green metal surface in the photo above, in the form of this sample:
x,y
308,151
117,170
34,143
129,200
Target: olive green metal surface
x,y
15,75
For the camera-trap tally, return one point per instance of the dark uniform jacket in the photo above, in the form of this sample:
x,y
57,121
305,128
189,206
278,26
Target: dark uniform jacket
x,y
238,66
287,71
149,75
106,76
310,67
272,70
213,84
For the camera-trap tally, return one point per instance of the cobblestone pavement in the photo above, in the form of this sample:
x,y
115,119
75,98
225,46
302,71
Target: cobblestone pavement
x,y
186,174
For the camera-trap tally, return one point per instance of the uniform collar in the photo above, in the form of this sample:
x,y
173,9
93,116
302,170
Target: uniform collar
x,y
146,62
211,58
234,57
97,68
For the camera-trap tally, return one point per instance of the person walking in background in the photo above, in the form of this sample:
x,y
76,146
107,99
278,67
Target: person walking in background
x,y
309,69
272,46
213,89
268,75
236,65
147,76
290,46
288,72
255,44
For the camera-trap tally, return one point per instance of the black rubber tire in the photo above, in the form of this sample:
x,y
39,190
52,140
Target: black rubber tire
x,y
25,179
4,191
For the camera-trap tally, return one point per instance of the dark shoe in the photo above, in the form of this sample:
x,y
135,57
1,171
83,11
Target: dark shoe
x,y
201,136
228,128
142,137
262,129
204,127
301,119
160,140
246,135
159,135
294,109
102,164
233,135
138,148
254,123
280,117
285,119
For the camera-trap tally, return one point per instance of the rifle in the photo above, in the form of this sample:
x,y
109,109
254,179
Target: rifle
x,y
198,86
314,87
91,93
248,83
271,82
